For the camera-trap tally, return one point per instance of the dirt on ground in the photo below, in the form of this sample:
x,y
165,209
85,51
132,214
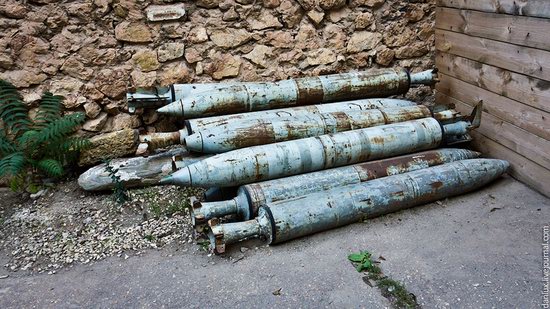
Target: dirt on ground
x,y
65,225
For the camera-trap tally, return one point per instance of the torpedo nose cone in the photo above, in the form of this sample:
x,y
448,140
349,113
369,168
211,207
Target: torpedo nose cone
x,y
181,178
174,109
194,142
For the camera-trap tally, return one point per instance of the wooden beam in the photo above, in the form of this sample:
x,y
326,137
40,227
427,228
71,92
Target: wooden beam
x,y
519,59
527,144
524,116
535,8
520,30
528,90
522,168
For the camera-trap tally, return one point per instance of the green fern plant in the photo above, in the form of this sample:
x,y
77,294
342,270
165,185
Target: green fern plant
x,y
42,145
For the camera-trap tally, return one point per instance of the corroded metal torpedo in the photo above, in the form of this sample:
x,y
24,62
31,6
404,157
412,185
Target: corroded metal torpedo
x,y
192,126
258,163
245,97
279,222
195,125
236,135
138,171
250,197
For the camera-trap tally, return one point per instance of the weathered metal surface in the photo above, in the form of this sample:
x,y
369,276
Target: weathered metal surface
x,y
447,116
135,172
250,197
279,222
428,77
458,131
236,135
282,159
258,163
160,140
196,125
161,96
293,92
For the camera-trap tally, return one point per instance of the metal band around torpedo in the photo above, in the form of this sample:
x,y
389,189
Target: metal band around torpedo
x,y
173,93
272,221
250,207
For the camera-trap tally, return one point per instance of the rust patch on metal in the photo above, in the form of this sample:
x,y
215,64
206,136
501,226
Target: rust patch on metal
x,y
230,107
159,140
343,121
436,184
310,91
382,168
378,140
251,136
377,88
398,193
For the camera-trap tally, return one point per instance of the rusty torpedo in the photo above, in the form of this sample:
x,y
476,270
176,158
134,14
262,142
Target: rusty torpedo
x,y
250,197
192,126
247,97
279,222
258,163
235,135
138,171
160,96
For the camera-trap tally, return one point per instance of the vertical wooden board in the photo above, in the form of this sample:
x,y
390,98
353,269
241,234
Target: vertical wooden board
x,y
519,59
526,117
521,168
536,8
520,30
524,143
528,90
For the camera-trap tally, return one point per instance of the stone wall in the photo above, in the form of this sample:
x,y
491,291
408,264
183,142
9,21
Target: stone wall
x,y
92,51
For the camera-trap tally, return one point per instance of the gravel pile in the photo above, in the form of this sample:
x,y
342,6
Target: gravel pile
x,y
69,226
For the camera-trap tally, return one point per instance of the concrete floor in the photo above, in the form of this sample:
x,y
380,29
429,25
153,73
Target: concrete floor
x,y
481,250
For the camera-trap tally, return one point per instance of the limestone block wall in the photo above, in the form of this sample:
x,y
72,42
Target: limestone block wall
x,y
93,51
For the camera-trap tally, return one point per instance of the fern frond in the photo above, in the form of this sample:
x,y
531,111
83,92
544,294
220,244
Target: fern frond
x,y
59,128
6,146
48,110
28,141
13,111
17,182
76,144
51,167
68,149
13,164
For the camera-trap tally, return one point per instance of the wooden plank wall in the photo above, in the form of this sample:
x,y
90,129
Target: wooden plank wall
x,y
498,52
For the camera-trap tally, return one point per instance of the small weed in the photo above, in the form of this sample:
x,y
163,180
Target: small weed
x,y
163,206
149,237
391,289
204,244
155,209
362,259
120,193
177,208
